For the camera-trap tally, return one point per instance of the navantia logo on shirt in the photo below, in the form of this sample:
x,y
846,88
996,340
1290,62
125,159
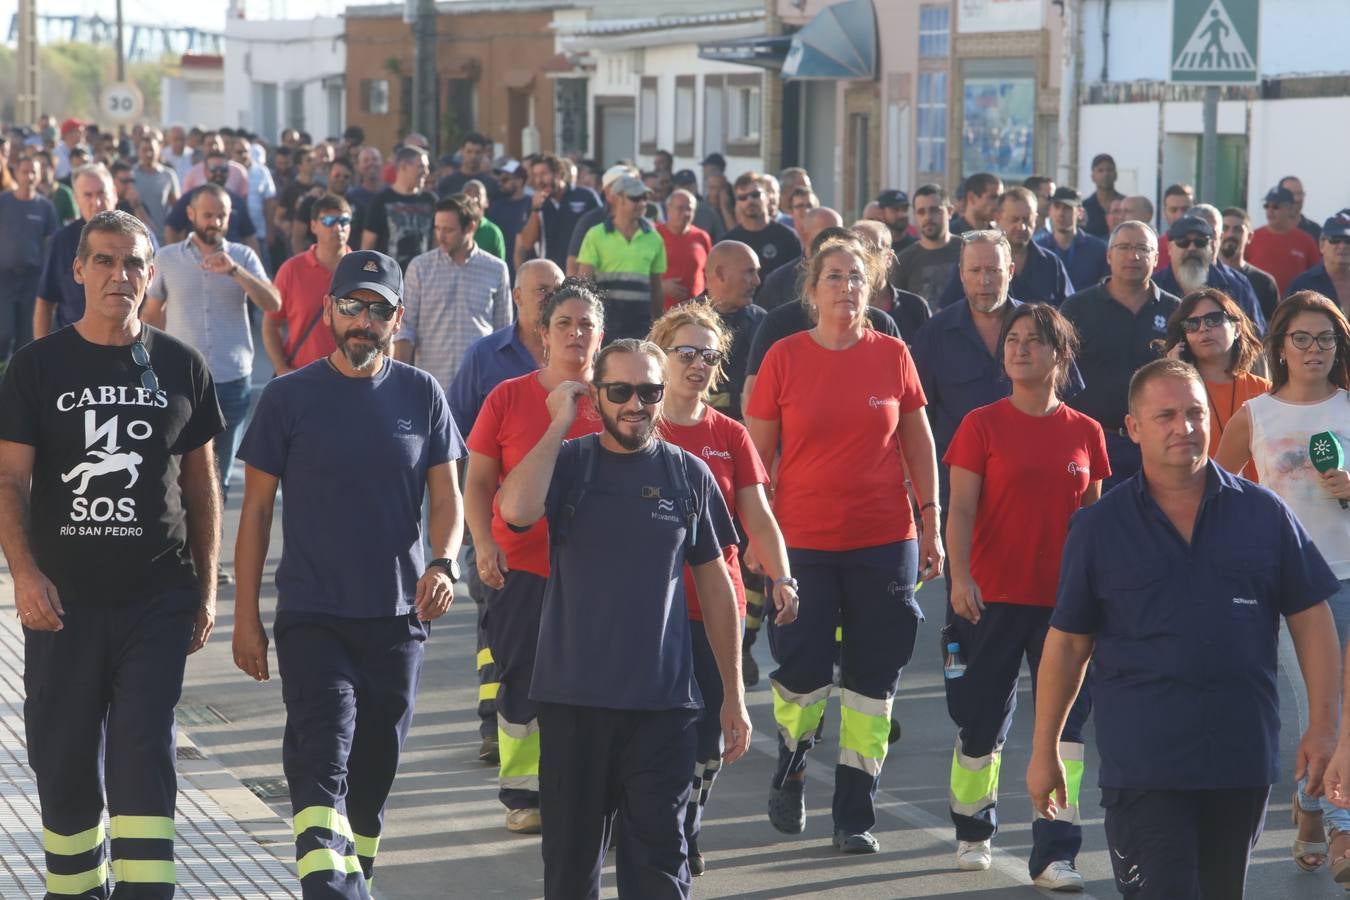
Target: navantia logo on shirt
x,y
665,511
879,402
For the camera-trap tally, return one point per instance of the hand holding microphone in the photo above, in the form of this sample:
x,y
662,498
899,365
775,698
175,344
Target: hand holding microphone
x,y
1327,455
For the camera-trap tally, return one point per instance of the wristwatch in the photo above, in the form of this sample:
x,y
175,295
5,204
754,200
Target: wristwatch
x,y
451,567
789,581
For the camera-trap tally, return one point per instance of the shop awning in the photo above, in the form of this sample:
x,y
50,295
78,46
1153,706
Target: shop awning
x,y
840,42
765,52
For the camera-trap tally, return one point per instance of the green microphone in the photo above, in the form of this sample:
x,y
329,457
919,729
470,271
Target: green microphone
x,y
1326,453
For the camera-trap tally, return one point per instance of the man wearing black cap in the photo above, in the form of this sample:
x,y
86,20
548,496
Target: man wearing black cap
x,y
1330,277
1281,247
895,213
356,437
1083,255
511,206
714,164
1192,245
1096,205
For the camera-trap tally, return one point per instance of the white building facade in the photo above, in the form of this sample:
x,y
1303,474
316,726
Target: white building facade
x,y
286,74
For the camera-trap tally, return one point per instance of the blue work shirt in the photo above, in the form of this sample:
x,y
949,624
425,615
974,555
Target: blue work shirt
x,y
1085,260
1041,279
489,361
1186,636
58,284
1226,279
1315,279
958,374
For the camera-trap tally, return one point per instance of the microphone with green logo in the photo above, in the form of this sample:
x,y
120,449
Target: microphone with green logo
x,y
1326,453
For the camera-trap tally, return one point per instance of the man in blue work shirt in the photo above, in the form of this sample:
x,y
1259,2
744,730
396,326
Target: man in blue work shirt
x,y
1083,255
1173,586
1330,277
1039,276
356,438
60,298
613,675
1194,250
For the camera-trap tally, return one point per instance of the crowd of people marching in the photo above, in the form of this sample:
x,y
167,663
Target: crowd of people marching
x,y
660,412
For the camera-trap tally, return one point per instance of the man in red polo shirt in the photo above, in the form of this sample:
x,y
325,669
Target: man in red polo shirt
x,y
687,249
302,282
1281,247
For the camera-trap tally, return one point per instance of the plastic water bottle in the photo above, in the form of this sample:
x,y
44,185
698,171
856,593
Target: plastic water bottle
x,y
955,664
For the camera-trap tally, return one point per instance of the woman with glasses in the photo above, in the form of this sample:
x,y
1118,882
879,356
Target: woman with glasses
x,y
1005,459
843,404
1210,332
695,344
1308,347
514,566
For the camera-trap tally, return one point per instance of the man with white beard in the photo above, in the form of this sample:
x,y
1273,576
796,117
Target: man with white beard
x,y
1194,250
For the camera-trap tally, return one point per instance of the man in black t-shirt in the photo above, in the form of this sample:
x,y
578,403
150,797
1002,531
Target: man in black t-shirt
x,y
399,222
110,522
775,245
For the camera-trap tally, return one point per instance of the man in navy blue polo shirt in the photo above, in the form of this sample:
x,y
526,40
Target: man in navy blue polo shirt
x,y
1083,255
60,299
1038,274
1173,586
613,675
1330,277
1193,247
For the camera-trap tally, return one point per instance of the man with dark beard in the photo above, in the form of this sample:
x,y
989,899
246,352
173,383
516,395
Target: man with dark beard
x,y
352,618
613,673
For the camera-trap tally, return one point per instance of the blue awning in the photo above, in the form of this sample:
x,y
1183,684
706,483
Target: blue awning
x,y
765,52
840,42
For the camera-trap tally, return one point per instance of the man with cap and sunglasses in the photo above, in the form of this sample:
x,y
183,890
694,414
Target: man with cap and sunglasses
x,y
1330,277
1280,246
110,522
626,256
596,216
1194,250
352,618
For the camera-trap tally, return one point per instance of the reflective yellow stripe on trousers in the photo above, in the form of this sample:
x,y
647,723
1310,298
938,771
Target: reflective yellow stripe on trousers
x,y
74,845
1071,754
974,782
143,871
864,731
798,715
519,746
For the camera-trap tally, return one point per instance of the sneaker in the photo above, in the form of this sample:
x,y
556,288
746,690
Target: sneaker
x,y
787,807
856,843
749,668
696,864
1060,875
974,856
223,578
523,821
488,752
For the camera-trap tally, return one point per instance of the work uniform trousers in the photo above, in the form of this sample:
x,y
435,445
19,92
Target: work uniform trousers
x,y
869,593
488,681
99,715
708,755
513,633
349,687
597,765
757,588
981,703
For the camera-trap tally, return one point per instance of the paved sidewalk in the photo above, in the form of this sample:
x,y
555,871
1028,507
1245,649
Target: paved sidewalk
x,y
222,828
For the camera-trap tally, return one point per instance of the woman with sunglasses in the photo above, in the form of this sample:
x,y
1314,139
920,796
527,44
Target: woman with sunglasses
x,y
514,566
1007,458
1308,346
845,406
1209,331
695,343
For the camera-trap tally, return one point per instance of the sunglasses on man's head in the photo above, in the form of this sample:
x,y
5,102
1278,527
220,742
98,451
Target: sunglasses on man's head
x,y
622,392
1187,243
1208,320
351,308
687,354
141,357
328,220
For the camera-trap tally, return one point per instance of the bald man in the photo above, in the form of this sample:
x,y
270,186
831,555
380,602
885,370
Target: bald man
x,y
732,275
780,285
908,309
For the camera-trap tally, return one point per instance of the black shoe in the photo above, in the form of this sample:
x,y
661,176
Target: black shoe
x,y
489,753
787,807
223,578
895,732
696,864
856,843
749,668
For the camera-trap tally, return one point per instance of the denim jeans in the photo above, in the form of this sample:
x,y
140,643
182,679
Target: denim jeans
x,y
1333,816
18,297
234,397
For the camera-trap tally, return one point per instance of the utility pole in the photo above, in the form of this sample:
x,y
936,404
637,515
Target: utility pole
x,y
121,57
1209,146
26,101
424,74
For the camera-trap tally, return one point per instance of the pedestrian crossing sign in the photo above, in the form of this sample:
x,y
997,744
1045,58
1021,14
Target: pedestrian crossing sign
x,y
1215,41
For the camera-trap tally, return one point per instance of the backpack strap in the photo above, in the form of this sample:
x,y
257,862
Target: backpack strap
x,y
587,452
679,481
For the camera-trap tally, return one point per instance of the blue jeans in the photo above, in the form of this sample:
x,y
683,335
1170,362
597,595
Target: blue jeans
x,y
18,297
234,397
1333,816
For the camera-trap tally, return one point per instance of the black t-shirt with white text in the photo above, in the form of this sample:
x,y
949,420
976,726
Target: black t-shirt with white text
x,y
402,224
107,523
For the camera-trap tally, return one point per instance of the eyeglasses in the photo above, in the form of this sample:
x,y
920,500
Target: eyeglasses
x,y
141,357
687,354
216,170
622,392
328,220
351,308
1141,249
752,195
1187,243
1208,320
1303,340
1339,239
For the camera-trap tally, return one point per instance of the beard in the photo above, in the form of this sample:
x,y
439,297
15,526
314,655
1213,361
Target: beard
x,y
639,439
1228,248
211,237
361,356
1191,274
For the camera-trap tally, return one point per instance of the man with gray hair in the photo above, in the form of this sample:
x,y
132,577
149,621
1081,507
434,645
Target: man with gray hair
x,y
687,248
1192,244
60,298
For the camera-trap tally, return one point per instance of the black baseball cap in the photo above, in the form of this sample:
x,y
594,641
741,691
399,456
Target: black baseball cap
x,y
371,270
1066,195
714,159
893,199
1189,225
1279,194
685,178
1337,226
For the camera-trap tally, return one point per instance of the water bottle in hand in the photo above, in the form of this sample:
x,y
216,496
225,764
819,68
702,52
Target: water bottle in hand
x,y
954,665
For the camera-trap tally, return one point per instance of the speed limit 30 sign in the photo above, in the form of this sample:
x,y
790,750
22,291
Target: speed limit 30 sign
x,y
120,101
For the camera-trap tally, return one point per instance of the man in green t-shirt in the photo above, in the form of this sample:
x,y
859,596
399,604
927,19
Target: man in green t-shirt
x,y
489,237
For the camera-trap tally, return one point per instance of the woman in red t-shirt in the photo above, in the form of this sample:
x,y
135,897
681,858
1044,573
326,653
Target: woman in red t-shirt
x,y
1020,468
513,565
696,344
840,405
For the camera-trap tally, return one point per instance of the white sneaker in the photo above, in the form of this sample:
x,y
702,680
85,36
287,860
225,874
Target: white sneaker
x,y
974,856
1059,876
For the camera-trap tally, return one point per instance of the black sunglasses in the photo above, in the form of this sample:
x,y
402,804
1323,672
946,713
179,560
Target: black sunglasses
x,y
1188,243
351,308
688,354
1339,239
1209,320
622,392
328,220
141,357
753,195
218,169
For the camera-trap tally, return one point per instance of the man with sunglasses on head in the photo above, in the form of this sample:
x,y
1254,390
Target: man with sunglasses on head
x,y
110,522
1330,277
613,672
355,593
774,243
302,281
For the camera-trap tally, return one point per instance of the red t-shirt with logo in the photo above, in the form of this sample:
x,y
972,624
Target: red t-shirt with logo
x,y
514,418
1035,470
1285,256
686,256
302,282
724,444
841,484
